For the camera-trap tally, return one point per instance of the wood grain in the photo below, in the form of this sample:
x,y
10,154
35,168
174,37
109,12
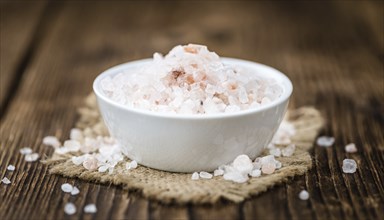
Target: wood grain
x,y
332,51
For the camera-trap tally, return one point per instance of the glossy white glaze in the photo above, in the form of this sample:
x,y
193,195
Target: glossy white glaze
x,y
188,143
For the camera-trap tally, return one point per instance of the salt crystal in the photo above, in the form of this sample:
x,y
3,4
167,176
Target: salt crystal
x,y
6,181
51,141
191,80
268,168
267,159
243,164
31,157
66,187
61,150
255,173
195,176
236,177
349,166
275,152
90,163
218,172
25,150
11,167
131,165
90,208
75,191
304,195
72,145
325,141
70,208
351,148
77,160
288,150
76,134
205,175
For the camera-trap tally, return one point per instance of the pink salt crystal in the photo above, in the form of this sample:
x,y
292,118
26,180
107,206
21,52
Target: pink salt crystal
x,y
351,148
268,168
90,163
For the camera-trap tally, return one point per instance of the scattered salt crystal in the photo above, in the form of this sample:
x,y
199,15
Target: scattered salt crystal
x,y
31,157
278,164
70,208
61,150
349,166
268,168
325,141
25,150
6,181
66,187
243,164
72,145
235,177
131,165
304,195
90,208
288,150
51,141
90,163
351,148
267,159
75,191
255,173
11,167
76,134
77,160
205,175
275,152
218,172
195,176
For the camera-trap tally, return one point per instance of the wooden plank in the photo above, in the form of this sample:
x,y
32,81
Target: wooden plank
x,y
319,53
18,23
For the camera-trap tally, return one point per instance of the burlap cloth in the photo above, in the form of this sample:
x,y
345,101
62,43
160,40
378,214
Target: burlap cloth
x,y
178,188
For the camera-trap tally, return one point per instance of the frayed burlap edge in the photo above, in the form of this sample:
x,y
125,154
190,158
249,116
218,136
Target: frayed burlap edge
x,y
178,188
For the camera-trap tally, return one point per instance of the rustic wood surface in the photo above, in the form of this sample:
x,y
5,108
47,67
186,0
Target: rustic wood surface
x,y
332,51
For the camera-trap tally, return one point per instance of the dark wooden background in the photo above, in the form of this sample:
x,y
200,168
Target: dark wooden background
x,y
332,51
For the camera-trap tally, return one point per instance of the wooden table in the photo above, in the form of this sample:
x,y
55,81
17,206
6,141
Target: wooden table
x,y
332,51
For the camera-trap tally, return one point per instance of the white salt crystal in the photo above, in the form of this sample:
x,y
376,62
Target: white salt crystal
x,y
72,145
61,150
325,141
75,191
66,187
349,166
268,168
236,177
51,141
76,134
77,160
218,172
31,157
70,208
25,150
304,195
205,175
131,165
351,148
103,168
275,152
195,176
278,164
6,181
255,173
288,150
11,167
90,208
243,164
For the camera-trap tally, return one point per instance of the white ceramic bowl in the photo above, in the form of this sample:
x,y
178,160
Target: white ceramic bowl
x,y
188,143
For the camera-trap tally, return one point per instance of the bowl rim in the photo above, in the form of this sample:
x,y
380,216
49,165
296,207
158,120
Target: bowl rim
x,y
287,91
